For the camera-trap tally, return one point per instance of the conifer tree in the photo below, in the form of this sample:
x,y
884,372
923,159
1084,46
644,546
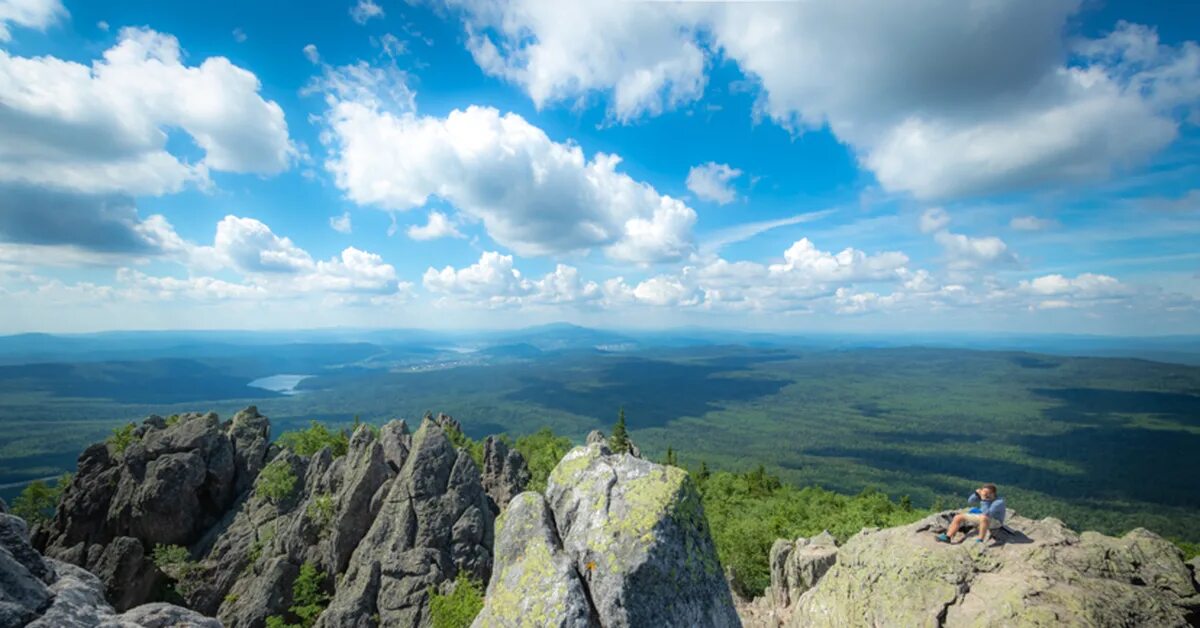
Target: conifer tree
x,y
619,441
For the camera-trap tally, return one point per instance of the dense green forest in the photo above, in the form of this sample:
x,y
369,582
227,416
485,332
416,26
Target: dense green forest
x,y
1102,443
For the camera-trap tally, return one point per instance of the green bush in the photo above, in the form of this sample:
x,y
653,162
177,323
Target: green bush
x,y
309,599
1190,550
460,440
459,608
542,451
276,481
121,438
748,511
176,562
38,501
309,441
320,510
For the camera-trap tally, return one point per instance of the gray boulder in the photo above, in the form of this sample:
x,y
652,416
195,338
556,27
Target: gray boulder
x,y
396,442
534,581
45,593
1046,576
3,506
505,473
172,485
434,523
796,566
635,535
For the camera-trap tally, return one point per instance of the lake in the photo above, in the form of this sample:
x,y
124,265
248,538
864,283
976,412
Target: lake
x,y
285,384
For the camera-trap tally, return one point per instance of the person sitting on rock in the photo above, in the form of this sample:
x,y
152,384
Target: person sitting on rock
x,y
989,511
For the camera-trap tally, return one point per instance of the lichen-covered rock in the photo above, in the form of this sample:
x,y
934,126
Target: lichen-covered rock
x,y
172,485
1046,575
396,442
796,566
24,576
534,583
434,523
637,535
505,473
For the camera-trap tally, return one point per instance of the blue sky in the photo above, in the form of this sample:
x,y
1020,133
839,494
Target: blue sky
x,y
929,165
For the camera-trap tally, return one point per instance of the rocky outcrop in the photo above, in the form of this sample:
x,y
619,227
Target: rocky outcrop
x,y
46,593
1043,575
504,474
624,535
434,523
170,484
796,566
596,437
248,574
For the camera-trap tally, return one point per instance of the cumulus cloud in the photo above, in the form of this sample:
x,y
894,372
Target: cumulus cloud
x,y
365,10
1031,223
934,219
711,182
103,128
972,98
964,252
102,224
642,53
35,14
1084,290
437,226
532,194
493,281
341,224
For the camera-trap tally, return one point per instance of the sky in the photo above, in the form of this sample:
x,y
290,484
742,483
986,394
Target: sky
x,y
1023,166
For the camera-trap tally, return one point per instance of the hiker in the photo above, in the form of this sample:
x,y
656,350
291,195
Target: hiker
x,y
989,512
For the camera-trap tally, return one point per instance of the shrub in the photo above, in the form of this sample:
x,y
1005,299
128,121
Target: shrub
x,y
176,562
459,608
38,501
309,441
460,440
542,451
121,438
309,599
320,510
276,481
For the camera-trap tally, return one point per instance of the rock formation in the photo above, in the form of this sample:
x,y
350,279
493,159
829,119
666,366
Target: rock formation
x,y
434,522
169,486
46,593
616,541
505,473
796,566
1043,575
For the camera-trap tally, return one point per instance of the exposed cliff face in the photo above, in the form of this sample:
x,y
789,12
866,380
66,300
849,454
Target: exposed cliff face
x,y
46,593
169,486
1045,575
616,541
434,522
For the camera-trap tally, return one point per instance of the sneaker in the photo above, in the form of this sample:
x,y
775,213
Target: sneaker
x,y
942,538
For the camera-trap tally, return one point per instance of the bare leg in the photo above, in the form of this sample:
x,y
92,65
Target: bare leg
x,y
983,528
955,525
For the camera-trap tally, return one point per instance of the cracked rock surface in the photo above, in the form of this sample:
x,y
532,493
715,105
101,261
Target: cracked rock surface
x,y
616,541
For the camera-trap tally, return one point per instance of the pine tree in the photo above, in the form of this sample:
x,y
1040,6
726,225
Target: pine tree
x,y
619,441
671,461
704,472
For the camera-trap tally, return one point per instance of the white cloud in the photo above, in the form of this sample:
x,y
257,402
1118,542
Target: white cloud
x,y
1057,291
711,182
311,53
964,252
663,291
1031,223
239,35
494,282
644,53
104,128
35,14
102,25
972,98
365,10
934,219
341,224
438,226
532,194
